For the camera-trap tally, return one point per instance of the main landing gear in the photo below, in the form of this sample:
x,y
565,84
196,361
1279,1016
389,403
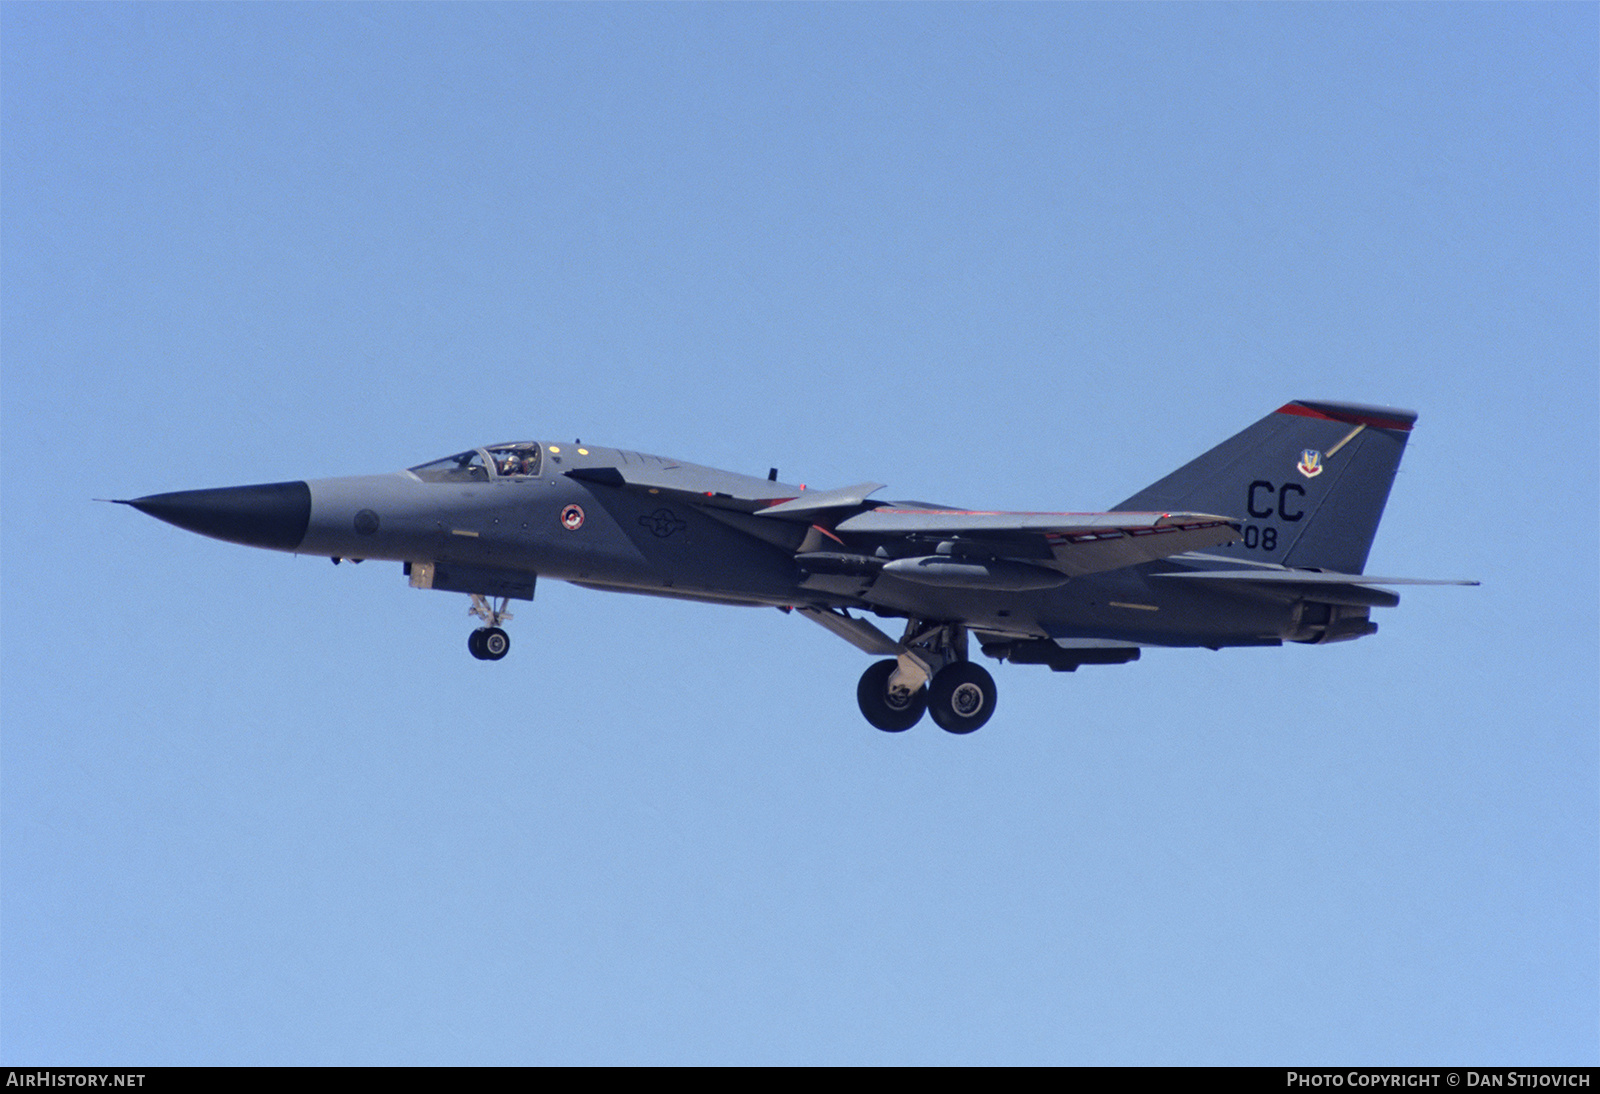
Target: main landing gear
x,y
961,697
934,675
895,707
491,642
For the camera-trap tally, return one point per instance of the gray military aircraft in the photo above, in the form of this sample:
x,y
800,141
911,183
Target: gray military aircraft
x,y
1259,541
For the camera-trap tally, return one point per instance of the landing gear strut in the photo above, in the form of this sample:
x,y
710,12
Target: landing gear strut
x,y
491,642
933,674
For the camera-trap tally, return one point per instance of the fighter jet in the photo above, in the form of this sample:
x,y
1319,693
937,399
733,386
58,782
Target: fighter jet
x,y
1259,541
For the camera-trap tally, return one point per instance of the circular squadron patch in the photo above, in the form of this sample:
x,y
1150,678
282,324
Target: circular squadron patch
x,y
572,518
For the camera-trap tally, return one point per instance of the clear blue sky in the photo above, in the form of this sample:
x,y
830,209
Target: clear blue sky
x,y
258,809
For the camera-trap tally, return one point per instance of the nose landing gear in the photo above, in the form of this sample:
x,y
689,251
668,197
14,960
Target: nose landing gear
x,y
491,642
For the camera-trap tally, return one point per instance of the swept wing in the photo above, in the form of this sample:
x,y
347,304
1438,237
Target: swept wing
x,y
1072,543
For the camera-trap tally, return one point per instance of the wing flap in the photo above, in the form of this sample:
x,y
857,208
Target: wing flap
x,y
1076,543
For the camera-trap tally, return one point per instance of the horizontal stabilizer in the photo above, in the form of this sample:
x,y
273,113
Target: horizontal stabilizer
x,y
1309,577
1318,586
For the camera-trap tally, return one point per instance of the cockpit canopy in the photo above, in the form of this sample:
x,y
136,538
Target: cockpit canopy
x,y
520,460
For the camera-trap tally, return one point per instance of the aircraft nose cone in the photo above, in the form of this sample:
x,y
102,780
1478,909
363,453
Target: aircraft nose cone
x,y
271,515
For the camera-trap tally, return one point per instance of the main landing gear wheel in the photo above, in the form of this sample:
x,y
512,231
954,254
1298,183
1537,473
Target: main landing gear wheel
x,y
961,697
890,711
489,643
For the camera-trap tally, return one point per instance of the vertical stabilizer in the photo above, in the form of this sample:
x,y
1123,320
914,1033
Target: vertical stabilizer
x,y
1308,482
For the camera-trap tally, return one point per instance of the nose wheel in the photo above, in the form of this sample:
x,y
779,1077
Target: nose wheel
x,y
491,642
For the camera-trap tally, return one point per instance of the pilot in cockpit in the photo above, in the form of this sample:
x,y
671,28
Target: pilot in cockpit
x,y
518,461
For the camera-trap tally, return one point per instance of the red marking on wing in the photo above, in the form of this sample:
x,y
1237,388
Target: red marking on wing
x,y
980,513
